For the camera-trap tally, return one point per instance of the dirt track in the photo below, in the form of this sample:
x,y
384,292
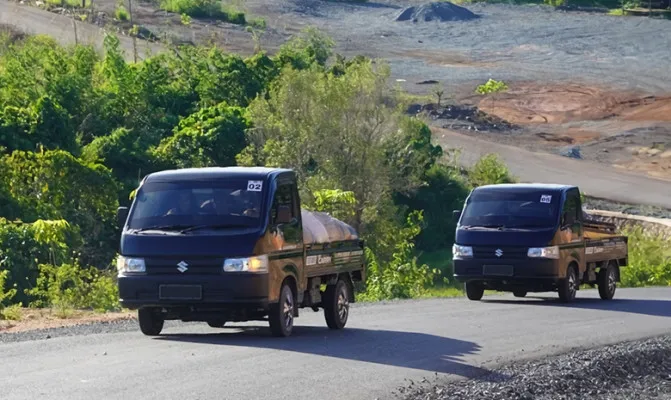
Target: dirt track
x,y
576,79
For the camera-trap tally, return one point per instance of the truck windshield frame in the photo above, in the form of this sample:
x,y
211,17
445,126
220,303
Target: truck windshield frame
x,y
522,208
226,203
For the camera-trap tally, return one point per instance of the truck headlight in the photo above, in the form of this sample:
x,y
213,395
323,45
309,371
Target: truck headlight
x,y
130,266
461,252
249,264
544,252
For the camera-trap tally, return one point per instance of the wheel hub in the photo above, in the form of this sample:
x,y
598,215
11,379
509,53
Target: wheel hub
x,y
343,305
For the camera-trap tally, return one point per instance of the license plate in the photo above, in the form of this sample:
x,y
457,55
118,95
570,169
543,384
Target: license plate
x,y
180,292
499,270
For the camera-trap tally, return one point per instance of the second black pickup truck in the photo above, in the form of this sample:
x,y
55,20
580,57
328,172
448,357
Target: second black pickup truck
x,y
525,238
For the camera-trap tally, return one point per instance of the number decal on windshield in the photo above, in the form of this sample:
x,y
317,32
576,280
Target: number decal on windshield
x,y
546,198
254,186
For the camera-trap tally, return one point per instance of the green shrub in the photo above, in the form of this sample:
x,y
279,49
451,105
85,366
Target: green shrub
x,y
23,247
491,86
71,286
402,277
490,170
121,13
649,260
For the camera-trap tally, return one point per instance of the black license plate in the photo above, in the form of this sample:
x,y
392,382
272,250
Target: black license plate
x,y
498,270
180,292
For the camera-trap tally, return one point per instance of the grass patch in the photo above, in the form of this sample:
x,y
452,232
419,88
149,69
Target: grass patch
x,y
69,3
491,86
205,9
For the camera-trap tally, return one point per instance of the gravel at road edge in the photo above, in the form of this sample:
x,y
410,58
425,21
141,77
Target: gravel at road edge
x,y
630,370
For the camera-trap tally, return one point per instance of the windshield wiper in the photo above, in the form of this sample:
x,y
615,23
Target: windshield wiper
x,y
485,226
163,228
215,226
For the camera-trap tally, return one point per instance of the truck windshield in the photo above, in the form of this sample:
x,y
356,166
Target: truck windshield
x,y
511,209
165,205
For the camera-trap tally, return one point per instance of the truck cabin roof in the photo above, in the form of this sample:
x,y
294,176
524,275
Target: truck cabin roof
x,y
216,173
549,188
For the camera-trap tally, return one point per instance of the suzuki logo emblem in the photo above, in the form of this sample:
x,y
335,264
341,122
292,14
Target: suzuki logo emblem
x,y
182,266
498,252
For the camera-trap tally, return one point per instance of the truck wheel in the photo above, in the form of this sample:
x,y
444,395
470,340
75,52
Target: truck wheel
x,y
150,323
519,293
336,305
568,286
607,282
281,318
216,324
474,290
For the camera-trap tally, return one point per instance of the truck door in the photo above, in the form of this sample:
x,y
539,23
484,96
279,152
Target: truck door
x,y
571,223
571,232
286,216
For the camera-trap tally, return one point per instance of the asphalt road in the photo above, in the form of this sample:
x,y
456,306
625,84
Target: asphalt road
x,y
596,180
382,345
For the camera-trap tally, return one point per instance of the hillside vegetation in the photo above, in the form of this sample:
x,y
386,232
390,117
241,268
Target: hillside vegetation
x,y
79,130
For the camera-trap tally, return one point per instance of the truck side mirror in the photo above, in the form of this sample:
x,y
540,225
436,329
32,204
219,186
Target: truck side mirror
x,y
456,214
121,216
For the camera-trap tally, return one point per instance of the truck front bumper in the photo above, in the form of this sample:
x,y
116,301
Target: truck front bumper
x,y
513,271
226,290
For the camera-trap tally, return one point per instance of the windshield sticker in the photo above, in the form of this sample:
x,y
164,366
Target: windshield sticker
x,y
254,186
546,198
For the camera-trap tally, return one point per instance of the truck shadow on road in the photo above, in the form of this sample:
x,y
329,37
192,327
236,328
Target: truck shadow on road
x,y
393,348
656,308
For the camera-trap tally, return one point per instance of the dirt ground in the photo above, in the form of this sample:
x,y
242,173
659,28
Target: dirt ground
x,y
33,319
581,84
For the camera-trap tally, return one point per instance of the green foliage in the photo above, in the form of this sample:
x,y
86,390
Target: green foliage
x,y
56,185
5,294
491,86
212,136
649,260
71,286
490,170
121,13
338,203
204,9
445,190
24,246
309,48
402,277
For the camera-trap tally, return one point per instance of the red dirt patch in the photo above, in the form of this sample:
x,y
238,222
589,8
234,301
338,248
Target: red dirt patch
x,y
33,319
556,104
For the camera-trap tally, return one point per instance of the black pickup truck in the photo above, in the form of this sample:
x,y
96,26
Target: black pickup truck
x,y
233,244
524,238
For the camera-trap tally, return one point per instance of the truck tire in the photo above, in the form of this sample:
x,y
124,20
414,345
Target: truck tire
x,y
474,290
150,323
336,305
607,282
519,293
216,323
281,317
568,286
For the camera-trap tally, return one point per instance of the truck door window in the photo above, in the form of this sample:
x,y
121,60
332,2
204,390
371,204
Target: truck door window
x,y
571,209
283,205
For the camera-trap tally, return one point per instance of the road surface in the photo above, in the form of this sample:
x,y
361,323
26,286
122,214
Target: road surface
x,y
382,345
32,20
596,180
